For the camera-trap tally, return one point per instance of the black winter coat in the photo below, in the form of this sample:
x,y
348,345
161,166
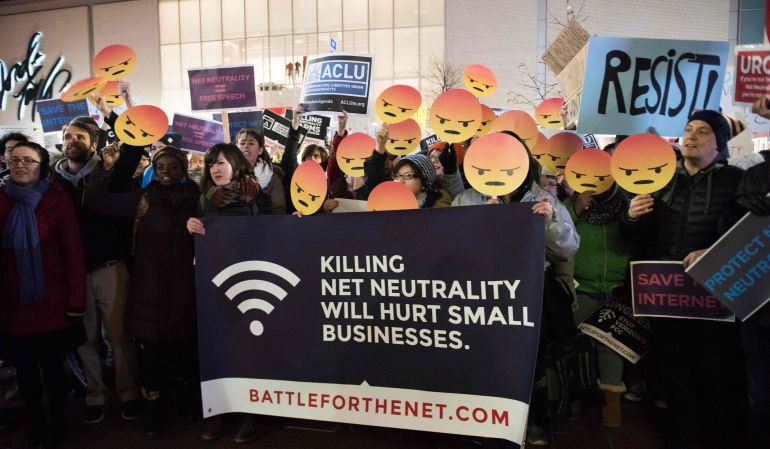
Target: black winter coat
x,y
688,213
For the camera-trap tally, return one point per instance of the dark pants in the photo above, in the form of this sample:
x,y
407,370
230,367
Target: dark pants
x,y
163,364
33,354
755,339
701,368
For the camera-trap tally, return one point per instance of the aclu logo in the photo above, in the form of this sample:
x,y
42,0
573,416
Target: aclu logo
x,y
338,71
257,292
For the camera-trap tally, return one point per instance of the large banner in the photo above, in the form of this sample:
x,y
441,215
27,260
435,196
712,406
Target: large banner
x,y
338,81
221,88
752,73
663,289
736,269
633,84
364,319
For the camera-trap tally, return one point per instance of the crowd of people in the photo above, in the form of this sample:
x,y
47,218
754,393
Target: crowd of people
x,y
95,258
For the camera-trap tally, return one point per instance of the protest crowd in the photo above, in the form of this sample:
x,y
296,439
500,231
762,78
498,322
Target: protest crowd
x,y
98,252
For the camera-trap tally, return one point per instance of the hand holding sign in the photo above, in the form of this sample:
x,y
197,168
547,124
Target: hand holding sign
x,y
110,155
342,121
543,207
760,107
640,205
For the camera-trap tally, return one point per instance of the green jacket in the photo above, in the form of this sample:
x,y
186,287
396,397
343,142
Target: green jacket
x,y
602,261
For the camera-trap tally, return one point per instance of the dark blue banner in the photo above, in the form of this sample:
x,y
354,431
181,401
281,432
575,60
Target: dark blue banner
x,y
238,120
421,319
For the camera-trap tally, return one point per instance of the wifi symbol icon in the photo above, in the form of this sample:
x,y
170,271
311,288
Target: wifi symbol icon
x,y
256,288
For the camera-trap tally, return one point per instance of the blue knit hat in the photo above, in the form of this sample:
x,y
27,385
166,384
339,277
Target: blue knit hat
x,y
719,126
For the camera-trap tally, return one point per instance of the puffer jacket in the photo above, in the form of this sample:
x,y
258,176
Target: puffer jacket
x,y
687,214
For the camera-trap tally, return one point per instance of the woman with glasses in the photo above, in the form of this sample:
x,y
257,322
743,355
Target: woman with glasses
x,y
43,275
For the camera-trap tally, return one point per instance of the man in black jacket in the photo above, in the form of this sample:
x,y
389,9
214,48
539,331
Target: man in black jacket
x,y
699,359
105,246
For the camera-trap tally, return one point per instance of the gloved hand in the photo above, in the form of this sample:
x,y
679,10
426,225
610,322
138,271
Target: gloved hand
x,y
448,159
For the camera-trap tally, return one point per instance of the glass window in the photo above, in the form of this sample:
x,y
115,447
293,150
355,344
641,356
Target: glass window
x,y
256,18
191,59
234,52
381,46
280,17
169,26
380,14
324,42
189,19
431,12
329,15
211,20
355,41
405,13
233,21
354,14
171,66
211,54
257,54
304,16
406,61
752,27
280,58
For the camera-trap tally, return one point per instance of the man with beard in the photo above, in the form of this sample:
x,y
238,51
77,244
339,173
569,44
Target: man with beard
x,y
106,245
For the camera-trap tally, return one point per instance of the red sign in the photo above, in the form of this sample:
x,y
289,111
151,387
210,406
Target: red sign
x,y
752,73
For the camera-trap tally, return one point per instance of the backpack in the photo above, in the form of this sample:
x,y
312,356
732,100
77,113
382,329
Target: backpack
x,y
571,372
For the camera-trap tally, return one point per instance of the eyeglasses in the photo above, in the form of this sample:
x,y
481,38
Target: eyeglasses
x,y
404,177
26,161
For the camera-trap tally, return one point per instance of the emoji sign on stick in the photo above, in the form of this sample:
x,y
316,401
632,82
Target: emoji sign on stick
x,y
391,195
560,147
548,113
82,89
353,151
519,122
403,137
487,117
455,115
496,164
397,103
141,125
111,95
114,62
540,148
308,187
643,163
589,171
479,80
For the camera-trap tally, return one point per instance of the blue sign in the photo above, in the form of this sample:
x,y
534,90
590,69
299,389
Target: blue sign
x,y
238,120
332,45
374,330
56,113
336,82
736,269
632,85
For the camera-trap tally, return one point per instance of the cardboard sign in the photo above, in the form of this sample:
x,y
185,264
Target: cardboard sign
x,y
736,269
221,88
752,73
589,141
316,126
277,127
633,84
757,123
56,113
663,289
742,144
367,333
615,326
238,120
198,134
336,82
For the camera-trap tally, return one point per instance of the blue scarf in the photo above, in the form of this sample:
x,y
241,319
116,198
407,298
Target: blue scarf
x,y
21,237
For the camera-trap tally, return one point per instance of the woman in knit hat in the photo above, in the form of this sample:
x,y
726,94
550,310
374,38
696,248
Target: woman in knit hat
x,y
416,172
160,311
